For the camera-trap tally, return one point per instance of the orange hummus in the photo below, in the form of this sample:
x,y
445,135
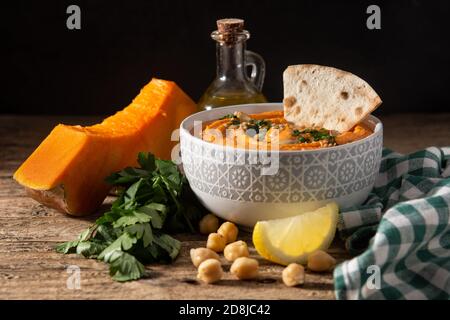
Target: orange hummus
x,y
270,130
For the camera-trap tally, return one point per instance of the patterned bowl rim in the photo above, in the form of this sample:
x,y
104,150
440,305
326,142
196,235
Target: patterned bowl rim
x,y
377,130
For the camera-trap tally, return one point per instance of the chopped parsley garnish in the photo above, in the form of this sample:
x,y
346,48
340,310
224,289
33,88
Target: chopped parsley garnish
x,y
263,123
332,140
228,116
257,125
307,135
235,121
321,134
303,139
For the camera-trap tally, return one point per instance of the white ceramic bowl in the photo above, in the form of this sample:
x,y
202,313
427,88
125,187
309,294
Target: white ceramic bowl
x,y
246,186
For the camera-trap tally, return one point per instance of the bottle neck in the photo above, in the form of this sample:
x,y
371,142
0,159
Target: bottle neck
x,y
231,60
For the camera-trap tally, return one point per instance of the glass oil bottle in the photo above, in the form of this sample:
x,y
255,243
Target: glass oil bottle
x,y
232,85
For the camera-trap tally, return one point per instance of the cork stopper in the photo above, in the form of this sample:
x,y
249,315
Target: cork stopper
x,y
230,25
229,28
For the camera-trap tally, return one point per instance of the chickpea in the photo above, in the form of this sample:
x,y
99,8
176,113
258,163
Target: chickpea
x,y
229,231
208,224
236,250
245,268
216,242
201,254
320,261
210,271
293,274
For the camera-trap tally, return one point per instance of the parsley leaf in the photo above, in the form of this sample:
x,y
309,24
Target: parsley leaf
x,y
125,267
67,247
141,231
90,249
154,199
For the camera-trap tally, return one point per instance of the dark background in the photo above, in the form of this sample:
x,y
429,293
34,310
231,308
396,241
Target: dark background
x,y
48,69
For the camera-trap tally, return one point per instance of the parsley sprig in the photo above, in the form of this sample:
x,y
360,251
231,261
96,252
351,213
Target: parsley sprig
x,y
155,199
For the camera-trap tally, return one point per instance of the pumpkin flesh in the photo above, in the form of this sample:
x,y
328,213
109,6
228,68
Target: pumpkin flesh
x,y
68,169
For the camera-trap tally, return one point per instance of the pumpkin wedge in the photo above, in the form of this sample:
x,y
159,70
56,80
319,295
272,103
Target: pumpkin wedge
x,y
67,171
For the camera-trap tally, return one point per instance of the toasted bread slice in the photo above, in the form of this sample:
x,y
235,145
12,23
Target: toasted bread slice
x,y
326,97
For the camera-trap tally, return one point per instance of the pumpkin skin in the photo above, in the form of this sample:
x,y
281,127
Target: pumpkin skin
x,y
67,170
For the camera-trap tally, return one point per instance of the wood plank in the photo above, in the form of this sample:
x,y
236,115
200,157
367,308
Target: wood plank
x,y
29,232
39,272
406,133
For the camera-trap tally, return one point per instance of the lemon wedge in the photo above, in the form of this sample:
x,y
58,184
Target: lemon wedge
x,y
292,239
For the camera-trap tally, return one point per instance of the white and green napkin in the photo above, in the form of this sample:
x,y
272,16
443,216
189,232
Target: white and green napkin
x,y
401,234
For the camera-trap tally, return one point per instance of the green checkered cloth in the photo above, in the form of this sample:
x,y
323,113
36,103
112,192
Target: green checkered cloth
x,y
401,233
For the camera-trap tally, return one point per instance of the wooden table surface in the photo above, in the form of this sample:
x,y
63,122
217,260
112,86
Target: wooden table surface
x,y
31,269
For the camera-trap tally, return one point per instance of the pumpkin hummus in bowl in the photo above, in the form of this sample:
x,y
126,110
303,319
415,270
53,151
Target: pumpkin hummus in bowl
x,y
246,185
270,130
253,162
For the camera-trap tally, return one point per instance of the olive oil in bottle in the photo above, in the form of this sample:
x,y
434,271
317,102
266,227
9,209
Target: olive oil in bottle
x,y
232,85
